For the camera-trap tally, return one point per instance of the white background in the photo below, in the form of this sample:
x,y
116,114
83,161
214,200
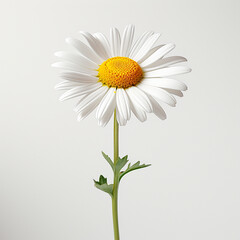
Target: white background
x,y
48,159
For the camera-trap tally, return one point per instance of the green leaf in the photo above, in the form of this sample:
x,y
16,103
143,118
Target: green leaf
x,y
108,160
130,168
102,185
121,163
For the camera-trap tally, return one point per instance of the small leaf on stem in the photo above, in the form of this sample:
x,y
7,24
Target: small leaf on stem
x,y
130,168
108,160
121,163
102,185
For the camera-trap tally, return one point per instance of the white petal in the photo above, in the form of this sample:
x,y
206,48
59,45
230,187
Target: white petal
x,y
174,92
139,43
87,104
74,67
79,91
66,85
95,44
91,98
158,93
150,52
115,42
146,47
77,59
169,71
84,50
104,120
79,77
120,119
157,109
108,114
139,99
106,103
104,42
122,103
164,62
127,41
84,113
138,112
161,52
165,83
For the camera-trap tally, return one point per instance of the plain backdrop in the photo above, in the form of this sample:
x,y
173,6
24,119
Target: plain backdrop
x,y
48,160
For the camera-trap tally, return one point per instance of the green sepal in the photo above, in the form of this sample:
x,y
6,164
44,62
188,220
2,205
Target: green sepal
x,y
102,185
133,167
109,160
121,163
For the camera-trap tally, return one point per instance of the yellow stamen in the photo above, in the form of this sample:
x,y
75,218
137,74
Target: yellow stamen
x,y
120,72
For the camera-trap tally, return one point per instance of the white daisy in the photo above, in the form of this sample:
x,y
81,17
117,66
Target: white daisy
x,y
118,74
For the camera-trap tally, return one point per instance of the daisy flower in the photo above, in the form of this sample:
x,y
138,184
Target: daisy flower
x,y
120,74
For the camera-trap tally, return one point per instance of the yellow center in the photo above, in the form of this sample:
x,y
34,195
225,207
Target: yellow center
x,y
120,72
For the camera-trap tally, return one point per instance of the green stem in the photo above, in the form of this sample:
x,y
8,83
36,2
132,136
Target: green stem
x,y
116,182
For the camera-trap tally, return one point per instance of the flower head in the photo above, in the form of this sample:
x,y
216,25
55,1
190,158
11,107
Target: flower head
x,y
118,74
